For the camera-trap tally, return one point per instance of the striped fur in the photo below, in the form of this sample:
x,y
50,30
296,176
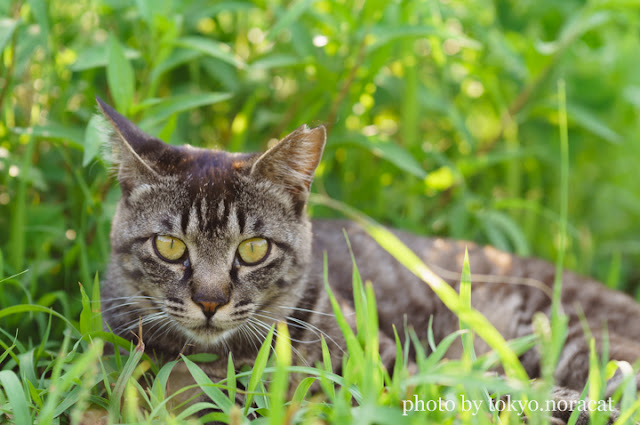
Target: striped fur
x,y
212,201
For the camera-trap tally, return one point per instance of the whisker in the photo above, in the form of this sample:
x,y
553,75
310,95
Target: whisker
x,y
302,325
136,311
314,329
163,325
132,324
128,297
246,335
264,327
277,335
321,313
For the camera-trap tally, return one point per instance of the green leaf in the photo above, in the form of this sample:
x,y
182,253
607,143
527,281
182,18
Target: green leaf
x,y
465,298
8,351
39,10
203,357
97,56
208,386
92,140
353,346
123,380
581,22
120,76
502,229
159,386
85,314
175,59
200,10
7,28
258,369
277,60
150,8
96,311
90,316
303,389
292,14
32,308
212,48
392,152
280,378
17,400
82,369
592,123
55,131
384,35
327,386
164,109
359,300
231,379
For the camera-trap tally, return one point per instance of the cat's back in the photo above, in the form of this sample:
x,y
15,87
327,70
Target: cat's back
x,y
506,288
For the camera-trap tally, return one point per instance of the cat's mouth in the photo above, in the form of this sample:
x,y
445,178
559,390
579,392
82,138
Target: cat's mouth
x,y
209,328
208,331
208,334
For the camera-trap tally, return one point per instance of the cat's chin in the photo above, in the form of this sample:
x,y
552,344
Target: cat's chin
x,y
208,337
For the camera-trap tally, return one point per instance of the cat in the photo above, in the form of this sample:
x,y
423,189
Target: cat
x,y
210,248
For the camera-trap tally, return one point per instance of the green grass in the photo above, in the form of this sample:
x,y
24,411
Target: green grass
x,y
445,118
60,387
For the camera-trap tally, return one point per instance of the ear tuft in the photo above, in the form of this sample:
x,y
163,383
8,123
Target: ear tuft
x,y
293,160
134,152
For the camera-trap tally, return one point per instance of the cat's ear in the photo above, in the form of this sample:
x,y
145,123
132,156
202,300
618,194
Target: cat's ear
x,y
134,152
293,160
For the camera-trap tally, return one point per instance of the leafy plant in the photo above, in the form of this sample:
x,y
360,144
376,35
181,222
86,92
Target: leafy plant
x,y
443,119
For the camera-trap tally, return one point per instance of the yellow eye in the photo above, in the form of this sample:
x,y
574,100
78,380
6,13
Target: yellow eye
x,y
169,248
253,250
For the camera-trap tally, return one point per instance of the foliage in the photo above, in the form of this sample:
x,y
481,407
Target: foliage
x,y
443,119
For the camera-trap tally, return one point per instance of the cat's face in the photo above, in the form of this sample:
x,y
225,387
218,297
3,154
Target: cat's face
x,y
208,243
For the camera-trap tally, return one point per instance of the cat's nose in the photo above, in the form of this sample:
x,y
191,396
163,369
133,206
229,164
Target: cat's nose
x,y
208,305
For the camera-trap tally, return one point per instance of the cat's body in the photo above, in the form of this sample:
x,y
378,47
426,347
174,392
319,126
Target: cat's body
x,y
506,289
209,249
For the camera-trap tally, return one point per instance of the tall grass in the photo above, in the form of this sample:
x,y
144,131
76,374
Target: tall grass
x,y
443,119
78,383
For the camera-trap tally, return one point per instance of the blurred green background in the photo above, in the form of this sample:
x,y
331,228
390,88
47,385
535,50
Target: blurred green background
x,y
443,119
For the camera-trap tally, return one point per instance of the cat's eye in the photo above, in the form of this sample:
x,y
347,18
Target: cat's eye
x,y
169,248
253,250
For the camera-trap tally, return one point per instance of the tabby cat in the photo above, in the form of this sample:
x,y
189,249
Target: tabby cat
x,y
210,248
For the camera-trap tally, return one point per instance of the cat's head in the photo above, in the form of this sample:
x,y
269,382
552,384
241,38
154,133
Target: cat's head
x,y
205,242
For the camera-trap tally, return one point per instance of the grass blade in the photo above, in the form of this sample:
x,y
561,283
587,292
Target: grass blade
x,y
280,379
92,140
7,27
120,76
176,104
208,386
123,381
17,400
258,369
212,48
